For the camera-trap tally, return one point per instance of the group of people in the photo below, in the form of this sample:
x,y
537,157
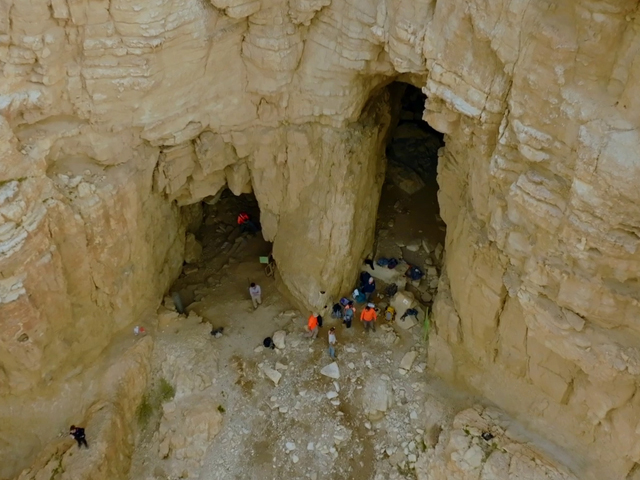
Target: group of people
x,y
368,317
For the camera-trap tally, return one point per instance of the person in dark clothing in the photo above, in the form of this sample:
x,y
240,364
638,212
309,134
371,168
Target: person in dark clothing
x,y
247,224
368,288
78,434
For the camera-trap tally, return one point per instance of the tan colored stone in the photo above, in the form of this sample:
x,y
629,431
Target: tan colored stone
x,y
187,428
110,424
537,181
463,454
192,249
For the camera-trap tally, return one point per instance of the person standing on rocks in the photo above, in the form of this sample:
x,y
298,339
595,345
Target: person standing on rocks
x,y
332,342
256,295
349,313
368,317
78,434
312,325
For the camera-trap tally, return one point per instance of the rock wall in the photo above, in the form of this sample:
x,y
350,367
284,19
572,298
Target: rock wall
x,y
537,311
473,445
115,113
111,424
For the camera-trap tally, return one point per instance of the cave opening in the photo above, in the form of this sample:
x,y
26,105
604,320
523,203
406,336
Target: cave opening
x,y
214,241
409,227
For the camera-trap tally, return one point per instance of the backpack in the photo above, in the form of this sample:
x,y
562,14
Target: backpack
x,y
414,273
393,263
383,262
390,314
349,314
411,312
344,301
391,290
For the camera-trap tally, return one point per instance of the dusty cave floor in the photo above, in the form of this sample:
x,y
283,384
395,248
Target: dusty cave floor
x,y
308,425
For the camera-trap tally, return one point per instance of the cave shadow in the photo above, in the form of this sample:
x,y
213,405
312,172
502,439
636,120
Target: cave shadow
x,y
214,223
408,225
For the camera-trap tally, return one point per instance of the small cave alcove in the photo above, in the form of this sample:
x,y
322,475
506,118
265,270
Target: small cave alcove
x,y
409,226
214,241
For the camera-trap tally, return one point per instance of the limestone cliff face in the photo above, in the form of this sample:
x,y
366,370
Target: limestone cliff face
x,y
116,112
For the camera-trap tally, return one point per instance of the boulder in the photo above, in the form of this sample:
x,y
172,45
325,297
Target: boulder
x,y
166,317
405,178
402,301
406,323
192,249
331,371
438,251
377,397
414,245
407,361
426,297
278,339
272,374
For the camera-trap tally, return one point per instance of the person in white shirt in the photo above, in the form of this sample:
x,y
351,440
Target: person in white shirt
x,y
256,295
332,342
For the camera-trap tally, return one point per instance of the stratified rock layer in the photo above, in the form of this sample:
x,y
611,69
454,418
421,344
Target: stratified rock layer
x,y
116,112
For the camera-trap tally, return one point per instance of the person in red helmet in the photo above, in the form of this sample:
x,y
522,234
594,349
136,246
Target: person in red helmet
x,y
246,224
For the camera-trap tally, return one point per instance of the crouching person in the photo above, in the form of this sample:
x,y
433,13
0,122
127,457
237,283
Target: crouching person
x,y
78,434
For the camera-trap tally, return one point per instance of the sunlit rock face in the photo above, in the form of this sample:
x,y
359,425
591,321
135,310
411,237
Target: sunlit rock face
x,y
117,113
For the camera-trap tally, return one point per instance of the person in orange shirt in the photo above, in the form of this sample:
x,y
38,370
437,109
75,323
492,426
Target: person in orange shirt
x,y
368,317
312,325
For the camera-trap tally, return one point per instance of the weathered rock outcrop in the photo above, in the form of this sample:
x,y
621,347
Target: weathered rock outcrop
x,y
110,425
476,447
116,112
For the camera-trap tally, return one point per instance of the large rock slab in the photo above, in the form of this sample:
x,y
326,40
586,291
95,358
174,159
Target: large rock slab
x,y
278,339
406,179
192,249
332,371
402,301
377,397
407,360
186,430
272,374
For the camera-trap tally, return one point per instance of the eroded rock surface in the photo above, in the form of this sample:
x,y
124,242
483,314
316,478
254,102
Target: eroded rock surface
x,y
474,446
109,422
114,113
